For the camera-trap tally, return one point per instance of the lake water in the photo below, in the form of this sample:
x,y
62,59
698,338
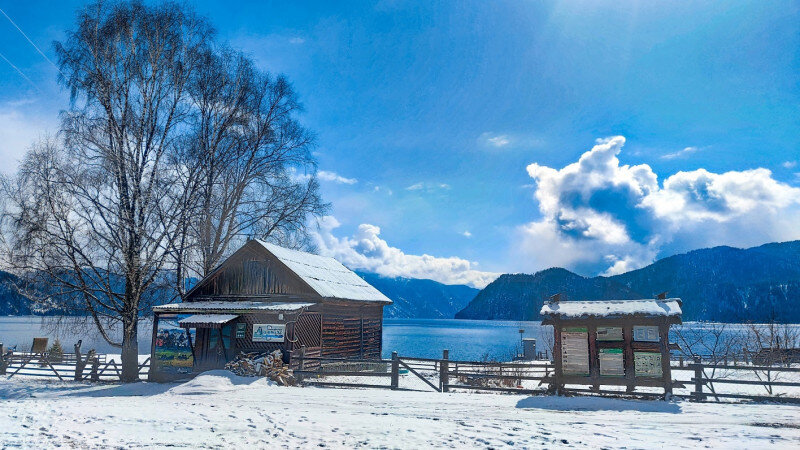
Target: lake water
x,y
426,338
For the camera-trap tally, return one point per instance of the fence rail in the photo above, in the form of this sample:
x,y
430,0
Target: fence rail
x,y
67,366
444,375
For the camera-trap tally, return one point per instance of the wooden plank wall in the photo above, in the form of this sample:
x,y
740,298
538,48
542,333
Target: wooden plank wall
x,y
352,331
252,272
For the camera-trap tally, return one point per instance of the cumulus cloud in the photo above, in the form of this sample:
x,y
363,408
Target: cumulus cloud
x,y
334,177
466,234
789,164
602,216
365,250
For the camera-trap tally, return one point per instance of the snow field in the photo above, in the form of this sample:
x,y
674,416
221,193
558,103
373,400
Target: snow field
x,y
220,410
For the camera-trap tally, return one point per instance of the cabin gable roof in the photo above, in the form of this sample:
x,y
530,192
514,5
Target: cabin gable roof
x,y
263,269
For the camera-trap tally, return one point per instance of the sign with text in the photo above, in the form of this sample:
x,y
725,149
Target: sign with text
x,y
611,362
269,332
575,351
645,334
647,364
609,333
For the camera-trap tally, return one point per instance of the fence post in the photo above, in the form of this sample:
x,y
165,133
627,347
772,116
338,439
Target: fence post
x,y
2,360
80,364
698,380
301,364
95,367
444,371
395,371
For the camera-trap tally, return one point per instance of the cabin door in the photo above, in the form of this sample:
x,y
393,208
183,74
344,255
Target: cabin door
x,y
213,347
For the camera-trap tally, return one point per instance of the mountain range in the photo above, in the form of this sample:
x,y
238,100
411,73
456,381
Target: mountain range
x,y
722,284
420,299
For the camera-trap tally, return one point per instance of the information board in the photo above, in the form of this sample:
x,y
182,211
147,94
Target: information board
x,y
173,350
645,334
647,364
575,351
269,332
241,330
611,362
609,333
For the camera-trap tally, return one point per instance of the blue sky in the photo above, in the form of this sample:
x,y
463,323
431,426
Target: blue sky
x,y
428,116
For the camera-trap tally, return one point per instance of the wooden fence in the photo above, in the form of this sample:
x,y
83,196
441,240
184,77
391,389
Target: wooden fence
x,y
65,367
708,376
440,375
445,374
707,380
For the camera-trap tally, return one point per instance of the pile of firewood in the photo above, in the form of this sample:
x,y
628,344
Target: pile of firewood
x,y
268,365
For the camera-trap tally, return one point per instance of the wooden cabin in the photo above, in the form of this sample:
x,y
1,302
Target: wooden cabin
x,y
264,298
612,342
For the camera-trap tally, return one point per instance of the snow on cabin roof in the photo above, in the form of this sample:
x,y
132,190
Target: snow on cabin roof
x,y
230,306
327,276
647,307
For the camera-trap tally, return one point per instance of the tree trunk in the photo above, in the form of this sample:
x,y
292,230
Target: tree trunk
x,y
130,348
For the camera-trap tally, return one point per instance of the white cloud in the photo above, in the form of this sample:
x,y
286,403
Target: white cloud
x,y
323,175
297,40
334,177
789,164
467,234
498,141
601,216
365,250
681,153
19,128
428,187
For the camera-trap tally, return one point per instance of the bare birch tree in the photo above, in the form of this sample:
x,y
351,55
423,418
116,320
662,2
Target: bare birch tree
x,y
171,150
94,220
246,147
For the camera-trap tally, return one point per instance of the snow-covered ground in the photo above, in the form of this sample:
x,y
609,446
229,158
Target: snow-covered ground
x,y
221,410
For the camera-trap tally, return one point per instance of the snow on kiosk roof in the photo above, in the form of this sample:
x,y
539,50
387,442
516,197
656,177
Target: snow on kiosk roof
x,y
669,308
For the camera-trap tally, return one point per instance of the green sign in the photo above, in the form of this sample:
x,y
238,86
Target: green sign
x,y
611,362
647,364
574,329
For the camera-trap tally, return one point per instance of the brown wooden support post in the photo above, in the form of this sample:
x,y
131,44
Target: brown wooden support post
x,y
557,385
697,395
630,366
3,364
444,371
666,373
151,373
395,371
594,357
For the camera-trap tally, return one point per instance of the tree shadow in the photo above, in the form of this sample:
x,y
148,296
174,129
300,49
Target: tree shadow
x,y
589,403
